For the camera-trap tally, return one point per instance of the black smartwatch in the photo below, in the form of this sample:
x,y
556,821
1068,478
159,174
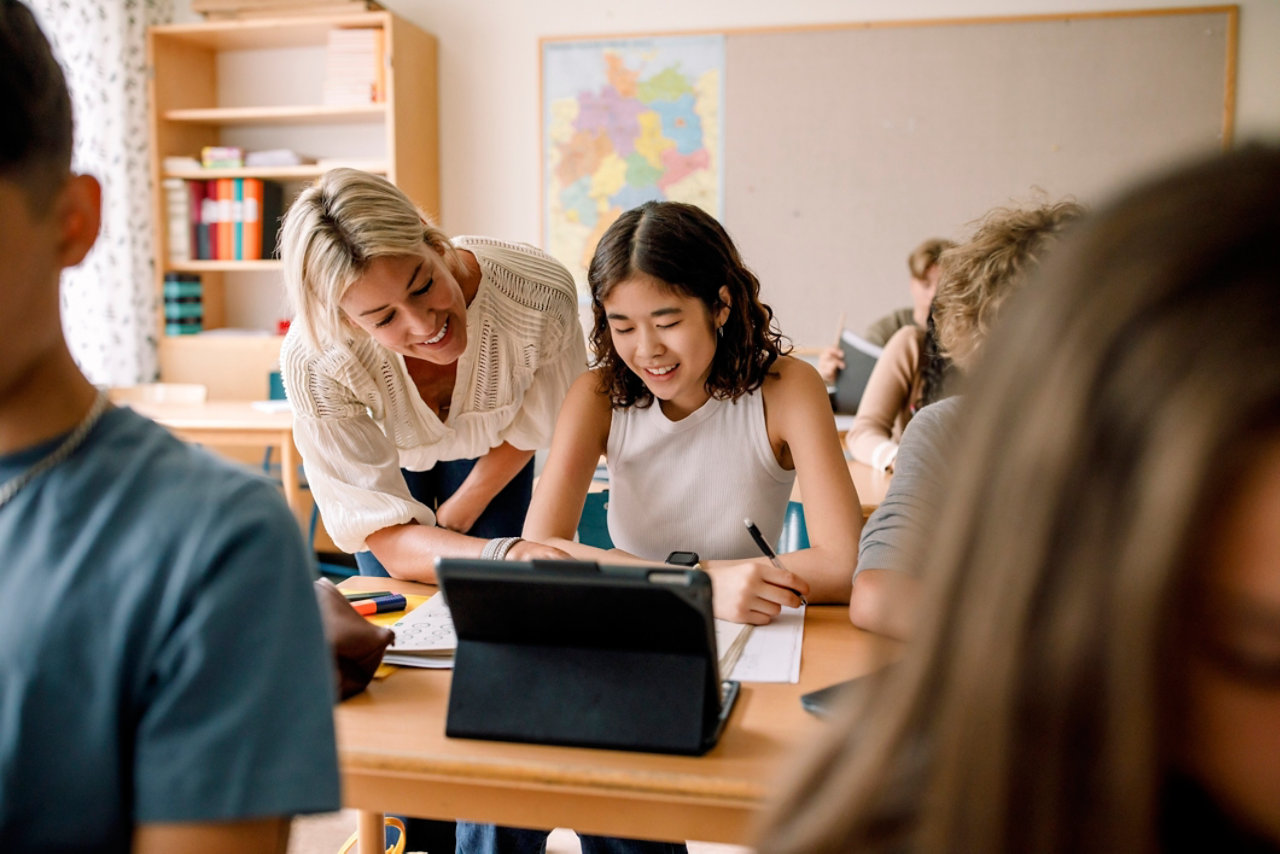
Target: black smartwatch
x,y
684,559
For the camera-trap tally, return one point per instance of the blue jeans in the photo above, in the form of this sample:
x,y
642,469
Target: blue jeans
x,y
492,839
504,517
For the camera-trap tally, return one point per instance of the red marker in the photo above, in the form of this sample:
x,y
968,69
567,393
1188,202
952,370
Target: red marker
x,y
380,605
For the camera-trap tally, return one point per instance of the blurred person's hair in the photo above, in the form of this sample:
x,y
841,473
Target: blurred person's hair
x,y
35,143
981,273
1041,703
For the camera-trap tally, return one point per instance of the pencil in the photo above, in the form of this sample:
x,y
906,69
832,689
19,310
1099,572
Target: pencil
x,y
840,329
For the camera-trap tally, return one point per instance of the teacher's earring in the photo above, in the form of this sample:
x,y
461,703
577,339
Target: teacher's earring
x,y
720,331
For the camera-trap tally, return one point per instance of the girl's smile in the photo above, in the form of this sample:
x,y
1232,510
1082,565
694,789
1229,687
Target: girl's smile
x,y
666,338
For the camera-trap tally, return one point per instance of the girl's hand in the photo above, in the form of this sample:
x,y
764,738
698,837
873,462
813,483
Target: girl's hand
x,y
830,363
753,591
530,550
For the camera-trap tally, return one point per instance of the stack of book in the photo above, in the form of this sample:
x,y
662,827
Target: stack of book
x,y
230,219
176,210
355,67
183,304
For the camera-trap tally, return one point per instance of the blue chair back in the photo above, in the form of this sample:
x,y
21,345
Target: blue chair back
x,y
794,536
593,527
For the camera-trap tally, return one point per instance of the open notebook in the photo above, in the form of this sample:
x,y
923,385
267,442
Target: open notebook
x,y
860,357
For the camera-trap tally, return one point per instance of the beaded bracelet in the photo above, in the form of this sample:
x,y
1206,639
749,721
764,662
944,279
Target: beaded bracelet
x,y
496,549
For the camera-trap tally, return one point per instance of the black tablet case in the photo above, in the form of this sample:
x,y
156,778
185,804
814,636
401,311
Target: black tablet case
x,y
860,357
574,653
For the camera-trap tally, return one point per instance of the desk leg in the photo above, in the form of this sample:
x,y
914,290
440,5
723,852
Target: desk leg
x,y
372,835
289,478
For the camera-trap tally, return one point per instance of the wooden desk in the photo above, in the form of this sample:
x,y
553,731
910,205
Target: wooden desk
x,y
235,423
395,756
871,485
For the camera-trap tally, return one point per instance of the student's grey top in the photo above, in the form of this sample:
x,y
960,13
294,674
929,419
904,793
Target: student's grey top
x,y
161,653
911,505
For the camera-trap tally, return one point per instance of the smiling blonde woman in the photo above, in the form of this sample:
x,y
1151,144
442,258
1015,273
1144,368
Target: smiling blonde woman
x,y
423,373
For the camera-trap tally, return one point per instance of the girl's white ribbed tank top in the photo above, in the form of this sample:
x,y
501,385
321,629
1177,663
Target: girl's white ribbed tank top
x,y
687,485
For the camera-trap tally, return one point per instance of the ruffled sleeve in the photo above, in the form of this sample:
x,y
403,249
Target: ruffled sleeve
x,y
352,466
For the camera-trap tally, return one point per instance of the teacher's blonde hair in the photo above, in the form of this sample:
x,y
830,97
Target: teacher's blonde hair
x,y
332,232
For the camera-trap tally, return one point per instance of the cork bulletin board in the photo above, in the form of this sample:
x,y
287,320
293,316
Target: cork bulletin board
x,y
845,145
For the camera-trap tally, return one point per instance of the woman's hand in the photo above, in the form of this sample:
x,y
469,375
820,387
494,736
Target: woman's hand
x,y
530,550
753,591
830,363
458,514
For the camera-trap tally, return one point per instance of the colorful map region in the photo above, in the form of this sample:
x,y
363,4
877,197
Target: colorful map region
x,y
626,121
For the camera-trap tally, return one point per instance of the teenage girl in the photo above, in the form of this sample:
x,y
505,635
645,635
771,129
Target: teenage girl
x,y
703,420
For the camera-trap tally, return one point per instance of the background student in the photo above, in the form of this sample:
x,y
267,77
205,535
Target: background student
x,y
977,278
164,680
702,419
922,263
910,374
422,374
1099,667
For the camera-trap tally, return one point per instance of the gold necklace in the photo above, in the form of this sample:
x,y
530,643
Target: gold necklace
x,y
65,448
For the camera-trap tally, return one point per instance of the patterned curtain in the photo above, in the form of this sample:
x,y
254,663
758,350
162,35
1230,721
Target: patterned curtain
x,y
109,301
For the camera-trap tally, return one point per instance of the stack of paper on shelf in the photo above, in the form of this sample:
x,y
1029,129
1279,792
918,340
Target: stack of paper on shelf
x,y
353,70
275,157
273,8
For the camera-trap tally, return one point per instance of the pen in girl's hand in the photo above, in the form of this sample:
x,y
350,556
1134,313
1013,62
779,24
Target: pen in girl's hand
x,y
767,551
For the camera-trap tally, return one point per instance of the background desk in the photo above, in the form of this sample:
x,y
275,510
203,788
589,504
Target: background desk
x,y
236,424
395,756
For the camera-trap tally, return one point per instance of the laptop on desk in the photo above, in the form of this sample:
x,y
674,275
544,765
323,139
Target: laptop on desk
x,y
582,654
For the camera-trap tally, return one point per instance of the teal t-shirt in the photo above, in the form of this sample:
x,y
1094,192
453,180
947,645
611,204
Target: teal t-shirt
x,y
161,652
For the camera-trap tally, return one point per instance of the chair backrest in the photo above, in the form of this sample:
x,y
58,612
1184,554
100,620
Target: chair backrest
x,y
159,393
593,527
795,535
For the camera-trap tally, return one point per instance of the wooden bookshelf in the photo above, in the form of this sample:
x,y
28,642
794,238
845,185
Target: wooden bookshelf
x,y
258,83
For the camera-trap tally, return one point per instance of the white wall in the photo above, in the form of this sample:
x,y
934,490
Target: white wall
x,y
489,96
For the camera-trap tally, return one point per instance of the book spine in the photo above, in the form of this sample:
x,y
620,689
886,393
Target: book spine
x,y
195,218
211,214
252,219
178,230
226,249
237,218
271,212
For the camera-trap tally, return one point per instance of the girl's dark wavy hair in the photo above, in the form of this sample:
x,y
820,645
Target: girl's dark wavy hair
x,y
937,370
686,248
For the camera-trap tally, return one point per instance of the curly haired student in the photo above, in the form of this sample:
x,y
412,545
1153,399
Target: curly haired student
x,y
702,419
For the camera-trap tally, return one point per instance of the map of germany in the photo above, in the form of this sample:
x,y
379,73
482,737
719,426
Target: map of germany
x,y
627,121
